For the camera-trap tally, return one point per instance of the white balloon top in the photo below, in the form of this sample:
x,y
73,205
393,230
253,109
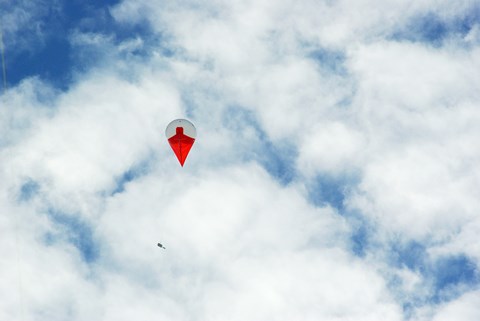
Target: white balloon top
x,y
188,128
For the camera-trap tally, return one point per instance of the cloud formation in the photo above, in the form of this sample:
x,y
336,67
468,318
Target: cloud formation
x,y
334,176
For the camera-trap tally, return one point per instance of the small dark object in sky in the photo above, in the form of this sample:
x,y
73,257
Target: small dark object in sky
x,y
160,245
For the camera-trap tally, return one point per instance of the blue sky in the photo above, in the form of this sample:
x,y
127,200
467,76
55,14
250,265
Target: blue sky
x,y
335,161
51,55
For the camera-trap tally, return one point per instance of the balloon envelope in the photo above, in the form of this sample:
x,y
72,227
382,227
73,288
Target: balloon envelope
x,y
181,135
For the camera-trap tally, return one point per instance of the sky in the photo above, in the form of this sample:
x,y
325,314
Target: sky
x,y
335,174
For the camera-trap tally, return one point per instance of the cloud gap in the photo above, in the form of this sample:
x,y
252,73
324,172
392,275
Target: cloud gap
x,y
330,60
331,190
360,236
77,232
51,63
52,55
29,189
412,255
278,158
451,272
136,171
432,29
443,279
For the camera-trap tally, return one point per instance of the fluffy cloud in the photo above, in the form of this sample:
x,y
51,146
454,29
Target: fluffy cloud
x,y
465,308
360,97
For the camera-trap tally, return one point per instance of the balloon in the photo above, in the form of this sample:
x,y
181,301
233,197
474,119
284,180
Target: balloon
x,y
181,135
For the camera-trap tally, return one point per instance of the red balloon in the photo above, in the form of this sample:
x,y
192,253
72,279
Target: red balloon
x,y
181,135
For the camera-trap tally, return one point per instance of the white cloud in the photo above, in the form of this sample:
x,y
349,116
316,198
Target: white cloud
x,y
330,147
240,244
421,140
95,135
463,309
414,77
